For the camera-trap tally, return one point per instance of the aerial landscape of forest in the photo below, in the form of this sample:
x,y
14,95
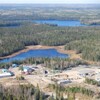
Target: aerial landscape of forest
x,y
49,51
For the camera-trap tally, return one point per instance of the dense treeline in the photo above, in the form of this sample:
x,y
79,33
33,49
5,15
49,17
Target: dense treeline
x,y
29,92
84,40
52,63
88,47
71,92
15,23
21,92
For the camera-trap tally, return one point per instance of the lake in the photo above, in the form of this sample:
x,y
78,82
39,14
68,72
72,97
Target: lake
x,y
50,53
60,22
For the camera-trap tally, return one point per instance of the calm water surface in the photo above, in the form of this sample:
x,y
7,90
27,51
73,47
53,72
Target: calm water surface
x,y
60,22
50,53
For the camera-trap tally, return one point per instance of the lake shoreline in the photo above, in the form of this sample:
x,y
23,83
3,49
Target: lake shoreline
x,y
59,49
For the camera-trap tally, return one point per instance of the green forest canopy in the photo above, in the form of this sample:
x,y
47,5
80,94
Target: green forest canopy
x,y
85,40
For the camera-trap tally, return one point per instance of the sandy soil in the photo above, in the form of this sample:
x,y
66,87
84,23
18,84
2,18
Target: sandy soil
x,y
60,49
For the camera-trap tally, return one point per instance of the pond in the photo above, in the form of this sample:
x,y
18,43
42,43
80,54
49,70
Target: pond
x,y
47,53
60,22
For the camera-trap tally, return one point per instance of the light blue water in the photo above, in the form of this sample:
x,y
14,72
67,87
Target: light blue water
x,y
50,53
60,22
